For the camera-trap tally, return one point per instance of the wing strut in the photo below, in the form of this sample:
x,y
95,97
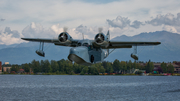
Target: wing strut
x,y
40,52
134,54
135,49
41,46
111,51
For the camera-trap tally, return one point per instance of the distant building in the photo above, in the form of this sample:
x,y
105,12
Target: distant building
x,y
157,67
7,67
6,63
176,67
21,71
158,70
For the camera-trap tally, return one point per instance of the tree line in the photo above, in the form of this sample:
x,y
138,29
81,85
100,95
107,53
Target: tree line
x,y
67,67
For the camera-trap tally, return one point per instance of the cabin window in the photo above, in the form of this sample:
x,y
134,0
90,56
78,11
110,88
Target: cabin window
x,y
85,44
79,44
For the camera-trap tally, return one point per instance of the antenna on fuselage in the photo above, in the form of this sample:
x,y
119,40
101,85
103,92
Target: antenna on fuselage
x,y
83,36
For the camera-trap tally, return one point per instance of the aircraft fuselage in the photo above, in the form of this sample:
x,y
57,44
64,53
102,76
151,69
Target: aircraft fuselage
x,y
86,54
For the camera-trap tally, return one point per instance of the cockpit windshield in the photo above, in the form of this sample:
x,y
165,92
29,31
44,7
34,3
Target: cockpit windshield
x,y
79,44
85,44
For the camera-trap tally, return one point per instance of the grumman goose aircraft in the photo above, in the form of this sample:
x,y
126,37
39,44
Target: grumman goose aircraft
x,y
87,52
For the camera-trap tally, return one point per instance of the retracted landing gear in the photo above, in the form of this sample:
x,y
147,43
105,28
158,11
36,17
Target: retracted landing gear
x,y
40,52
134,54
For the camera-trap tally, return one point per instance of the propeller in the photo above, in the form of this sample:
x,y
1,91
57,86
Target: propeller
x,y
100,37
64,35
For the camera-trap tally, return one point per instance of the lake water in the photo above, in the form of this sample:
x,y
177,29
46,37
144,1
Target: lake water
x,y
89,88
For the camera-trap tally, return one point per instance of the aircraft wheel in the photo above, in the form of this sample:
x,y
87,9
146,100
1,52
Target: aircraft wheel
x,y
92,58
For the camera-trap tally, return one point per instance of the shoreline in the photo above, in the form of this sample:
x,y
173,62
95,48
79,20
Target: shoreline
x,y
100,74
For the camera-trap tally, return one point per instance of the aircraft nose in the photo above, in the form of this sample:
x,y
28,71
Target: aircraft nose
x,y
73,51
77,50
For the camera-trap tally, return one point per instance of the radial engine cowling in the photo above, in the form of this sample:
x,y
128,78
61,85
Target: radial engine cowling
x,y
101,39
64,37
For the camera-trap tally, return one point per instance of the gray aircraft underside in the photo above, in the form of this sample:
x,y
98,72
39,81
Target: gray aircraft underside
x,y
87,52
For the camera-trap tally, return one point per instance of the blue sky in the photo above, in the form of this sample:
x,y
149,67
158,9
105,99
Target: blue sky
x,y
46,18
100,1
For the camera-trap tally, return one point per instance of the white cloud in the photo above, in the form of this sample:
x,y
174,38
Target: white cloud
x,y
10,37
57,28
170,29
2,19
35,30
122,22
168,19
122,26
55,14
90,32
74,13
130,31
14,33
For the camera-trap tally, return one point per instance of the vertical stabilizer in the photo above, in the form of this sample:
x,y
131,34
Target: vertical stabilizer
x,y
108,38
108,35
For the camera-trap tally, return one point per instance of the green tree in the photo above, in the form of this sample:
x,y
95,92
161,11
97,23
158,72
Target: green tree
x,y
149,67
84,70
42,66
36,67
109,68
46,66
61,64
116,66
100,67
123,66
68,67
15,68
129,65
170,68
93,70
77,68
26,67
54,66
164,67
135,65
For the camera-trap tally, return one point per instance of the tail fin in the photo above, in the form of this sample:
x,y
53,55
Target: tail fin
x,y
108,38
108,35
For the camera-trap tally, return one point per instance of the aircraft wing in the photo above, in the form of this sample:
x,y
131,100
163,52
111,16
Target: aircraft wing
x,y
55,41
41,40
119,44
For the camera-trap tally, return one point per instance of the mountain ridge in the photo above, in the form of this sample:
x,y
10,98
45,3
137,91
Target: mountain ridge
x,y
167,51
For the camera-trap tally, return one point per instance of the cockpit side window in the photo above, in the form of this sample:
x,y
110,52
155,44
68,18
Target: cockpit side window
x,y
85,44
79,44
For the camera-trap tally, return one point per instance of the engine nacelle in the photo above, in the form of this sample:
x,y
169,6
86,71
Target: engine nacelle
x,y
134,56
64,37
101,39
